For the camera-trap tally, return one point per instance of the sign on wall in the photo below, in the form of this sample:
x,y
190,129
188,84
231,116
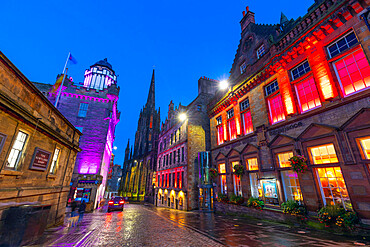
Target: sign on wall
x,y
40,159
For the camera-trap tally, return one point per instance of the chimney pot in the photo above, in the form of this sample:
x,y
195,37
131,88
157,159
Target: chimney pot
x,y
243,13
247,9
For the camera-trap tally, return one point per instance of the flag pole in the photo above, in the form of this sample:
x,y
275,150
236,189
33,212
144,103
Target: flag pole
x,y
64,75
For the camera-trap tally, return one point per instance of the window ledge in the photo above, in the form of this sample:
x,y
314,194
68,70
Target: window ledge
x,y
51,176
3,173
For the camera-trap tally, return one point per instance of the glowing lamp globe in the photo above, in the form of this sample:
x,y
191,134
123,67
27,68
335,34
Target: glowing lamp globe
x,y
182,116
223,85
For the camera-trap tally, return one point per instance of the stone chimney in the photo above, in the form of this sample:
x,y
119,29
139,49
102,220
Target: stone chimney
x,y
248,17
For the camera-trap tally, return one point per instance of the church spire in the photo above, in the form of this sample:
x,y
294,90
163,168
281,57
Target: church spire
x,y
151,94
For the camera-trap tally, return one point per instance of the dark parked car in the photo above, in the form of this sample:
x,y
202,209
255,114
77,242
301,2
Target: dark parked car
x,y
116,203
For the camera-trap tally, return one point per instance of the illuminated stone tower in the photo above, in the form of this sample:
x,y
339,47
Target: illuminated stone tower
x,y
91,107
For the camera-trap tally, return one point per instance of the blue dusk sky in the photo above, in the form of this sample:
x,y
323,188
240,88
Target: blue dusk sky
x,y
184,40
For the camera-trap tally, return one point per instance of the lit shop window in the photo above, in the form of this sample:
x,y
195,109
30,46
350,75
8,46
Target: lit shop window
x,y
17,150
365,146
220,131
222,172
353,72
237,183
260,51
291,186
300,70
83,110
256,189
283,159
333,188
308,96
231,124
324,154
252,164
54,162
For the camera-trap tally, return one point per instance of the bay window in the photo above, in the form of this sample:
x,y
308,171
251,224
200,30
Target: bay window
x,y
222,175
231,124
275,103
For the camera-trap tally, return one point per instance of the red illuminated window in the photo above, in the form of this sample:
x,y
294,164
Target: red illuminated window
x,y
247,122
308,96
353,72
220,131
276,109
231,128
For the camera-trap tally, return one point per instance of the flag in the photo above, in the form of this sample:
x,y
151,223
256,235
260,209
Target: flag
x,y
57,83
72,59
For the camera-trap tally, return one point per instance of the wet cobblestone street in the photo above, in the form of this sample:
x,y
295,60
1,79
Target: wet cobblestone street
x,y
140,225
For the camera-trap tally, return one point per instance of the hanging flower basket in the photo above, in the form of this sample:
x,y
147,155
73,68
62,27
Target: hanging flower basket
x,y
298,164
239,170
213,172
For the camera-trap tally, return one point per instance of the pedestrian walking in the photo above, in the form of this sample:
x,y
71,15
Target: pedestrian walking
x,y
73,208
81,210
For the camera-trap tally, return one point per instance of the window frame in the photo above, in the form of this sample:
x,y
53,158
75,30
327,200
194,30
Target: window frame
x,y
297,67
303,79
21,154
218,126
335,42
361,147
223,187
260,51
80,110
54,166
231,120
320,145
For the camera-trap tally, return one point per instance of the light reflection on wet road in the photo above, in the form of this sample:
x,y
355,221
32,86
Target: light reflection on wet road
x,y
139,225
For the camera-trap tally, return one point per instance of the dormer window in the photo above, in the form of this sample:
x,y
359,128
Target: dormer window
x,y
260,51
243,67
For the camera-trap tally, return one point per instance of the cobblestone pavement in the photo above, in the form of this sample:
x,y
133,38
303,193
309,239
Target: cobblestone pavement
x,y
134,226
145,225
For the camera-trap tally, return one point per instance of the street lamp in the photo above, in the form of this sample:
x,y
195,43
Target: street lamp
x,y
182,116
115,148
224,84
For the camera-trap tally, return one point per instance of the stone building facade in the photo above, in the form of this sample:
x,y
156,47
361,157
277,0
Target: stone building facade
x,y
114,179
38,148
139,163
300,87
180,140
92,108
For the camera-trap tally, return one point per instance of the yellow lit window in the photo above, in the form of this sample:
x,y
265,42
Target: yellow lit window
x,y
324,154
252,164
333,188
221,168
234,164
365,145
284,159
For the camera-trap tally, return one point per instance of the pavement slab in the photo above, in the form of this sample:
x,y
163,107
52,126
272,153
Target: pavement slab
x,y
146,225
